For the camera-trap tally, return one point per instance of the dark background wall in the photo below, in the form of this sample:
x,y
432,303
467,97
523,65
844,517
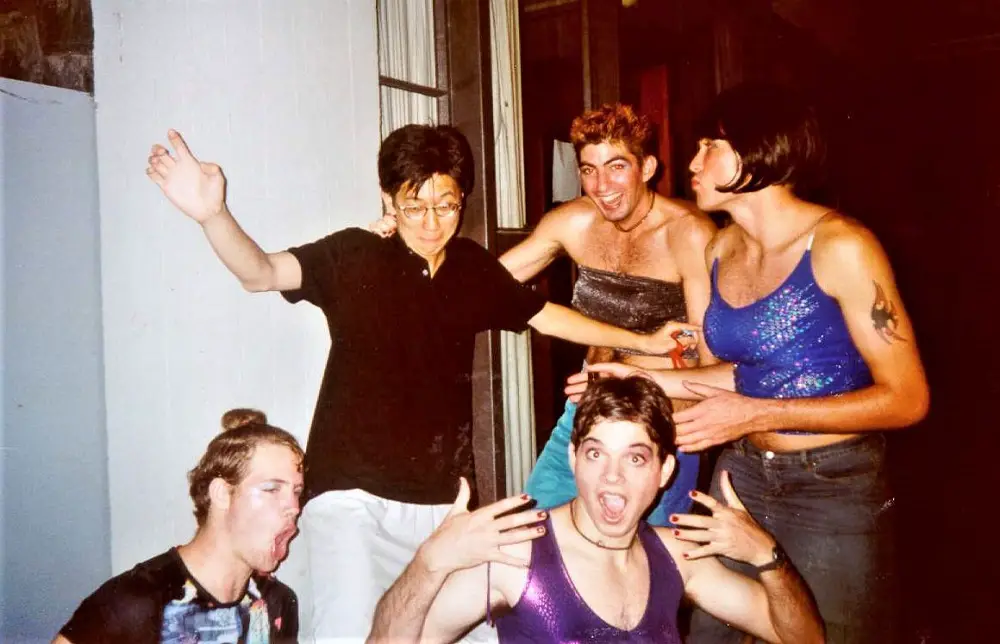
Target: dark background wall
x,y
908,95
50,42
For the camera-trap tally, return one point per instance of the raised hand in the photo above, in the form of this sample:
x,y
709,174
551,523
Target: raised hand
x,y
466,539
719,417
384,227
197,189
730,531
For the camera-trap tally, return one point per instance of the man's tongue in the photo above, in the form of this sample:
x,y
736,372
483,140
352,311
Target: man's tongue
x,y
280,547
612,505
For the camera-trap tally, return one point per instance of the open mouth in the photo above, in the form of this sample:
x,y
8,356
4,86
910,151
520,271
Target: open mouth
x,y
612,507
279,549
611,202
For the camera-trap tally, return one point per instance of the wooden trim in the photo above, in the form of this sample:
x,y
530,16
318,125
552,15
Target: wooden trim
x,y
469,85
414,88
547,4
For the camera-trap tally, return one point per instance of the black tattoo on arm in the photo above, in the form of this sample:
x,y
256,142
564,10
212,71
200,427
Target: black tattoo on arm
x,y
885,320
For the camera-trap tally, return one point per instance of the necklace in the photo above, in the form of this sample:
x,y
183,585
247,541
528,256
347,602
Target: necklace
x,y
599,544
652,201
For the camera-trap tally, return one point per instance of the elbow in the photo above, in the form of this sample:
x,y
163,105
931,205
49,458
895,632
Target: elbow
x,y
913,407
255,286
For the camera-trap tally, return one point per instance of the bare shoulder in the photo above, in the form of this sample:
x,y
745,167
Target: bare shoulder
x,y
840,239
677,548
571,215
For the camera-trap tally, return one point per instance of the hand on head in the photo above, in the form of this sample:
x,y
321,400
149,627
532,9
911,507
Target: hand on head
x,y
384,227
577,383
730,531
466,539
197,189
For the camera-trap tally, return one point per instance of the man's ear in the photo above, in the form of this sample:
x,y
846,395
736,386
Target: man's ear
x,y
649,164
571,449
220,494
669,463
388,204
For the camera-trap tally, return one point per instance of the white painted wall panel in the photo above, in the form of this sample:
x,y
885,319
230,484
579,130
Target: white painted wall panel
x,y
283,94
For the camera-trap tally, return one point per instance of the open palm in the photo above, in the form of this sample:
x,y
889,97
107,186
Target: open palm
x,y
197,189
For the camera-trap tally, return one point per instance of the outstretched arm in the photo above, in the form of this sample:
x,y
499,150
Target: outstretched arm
x,y
199,191
777,607
463,541
565,323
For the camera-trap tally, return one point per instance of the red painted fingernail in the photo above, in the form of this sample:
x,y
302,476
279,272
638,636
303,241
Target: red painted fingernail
x,y
693,494
525,497
685,555
673,518
542,515
677,533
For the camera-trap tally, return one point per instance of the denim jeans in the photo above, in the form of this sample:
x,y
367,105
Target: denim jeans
x,y
551,482
830,510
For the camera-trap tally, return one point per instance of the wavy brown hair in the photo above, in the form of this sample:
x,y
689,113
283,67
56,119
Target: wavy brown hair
x,y
228,455
615,123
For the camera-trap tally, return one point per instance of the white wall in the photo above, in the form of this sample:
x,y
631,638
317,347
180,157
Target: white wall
x,y
52,443
283,94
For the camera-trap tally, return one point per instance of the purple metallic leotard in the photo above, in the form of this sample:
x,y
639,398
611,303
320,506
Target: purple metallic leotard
x,y
551,611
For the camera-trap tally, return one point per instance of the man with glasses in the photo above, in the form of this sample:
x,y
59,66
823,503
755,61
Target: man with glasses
x,y
392,430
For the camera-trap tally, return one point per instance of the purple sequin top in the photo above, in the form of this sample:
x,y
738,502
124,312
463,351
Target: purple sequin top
x,y
792,343
551,611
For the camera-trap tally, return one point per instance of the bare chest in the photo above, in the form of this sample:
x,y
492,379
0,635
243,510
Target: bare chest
x,y
619,598
646,254
743,280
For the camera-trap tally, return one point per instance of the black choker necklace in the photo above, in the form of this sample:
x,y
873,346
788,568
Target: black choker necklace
x,y
599,544
638,223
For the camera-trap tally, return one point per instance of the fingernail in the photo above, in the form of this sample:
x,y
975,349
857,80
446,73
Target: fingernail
x,y
673,518
541,530
542,515
525,497
677,533
685,555
692,494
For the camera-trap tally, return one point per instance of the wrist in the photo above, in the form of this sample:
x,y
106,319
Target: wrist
x,y
216,214
426,558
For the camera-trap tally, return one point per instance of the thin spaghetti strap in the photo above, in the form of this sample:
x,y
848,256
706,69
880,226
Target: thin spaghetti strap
x,y
812,235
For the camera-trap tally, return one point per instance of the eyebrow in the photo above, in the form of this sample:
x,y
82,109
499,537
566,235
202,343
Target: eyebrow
x,y
613,159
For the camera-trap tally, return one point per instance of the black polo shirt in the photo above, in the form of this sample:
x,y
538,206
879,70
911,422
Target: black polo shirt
x,y
394,414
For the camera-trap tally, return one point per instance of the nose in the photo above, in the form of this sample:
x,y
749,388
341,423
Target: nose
x,y
612,472
431,221
602,181
293,505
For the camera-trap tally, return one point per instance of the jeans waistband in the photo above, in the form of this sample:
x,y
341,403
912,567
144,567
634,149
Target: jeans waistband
x,y
744,447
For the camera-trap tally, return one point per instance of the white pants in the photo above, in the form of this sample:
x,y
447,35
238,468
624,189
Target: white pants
x,y
351,547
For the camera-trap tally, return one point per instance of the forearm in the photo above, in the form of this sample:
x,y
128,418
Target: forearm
x,y
672,380
793,614
238,252
400,613
873,408
565,323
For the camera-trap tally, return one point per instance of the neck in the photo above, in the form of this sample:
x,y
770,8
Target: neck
x,y
771,217
639,215
583,525
212,562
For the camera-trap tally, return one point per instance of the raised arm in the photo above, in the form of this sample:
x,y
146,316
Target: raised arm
x,y
776,607
544,244
199,191
463,542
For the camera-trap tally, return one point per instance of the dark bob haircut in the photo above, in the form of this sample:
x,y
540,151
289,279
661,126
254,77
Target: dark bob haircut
x,y
634,399
775,134
412,154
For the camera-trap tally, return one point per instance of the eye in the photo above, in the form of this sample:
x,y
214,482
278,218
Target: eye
x,y
446,209
637,459
586,171
593,454
619,167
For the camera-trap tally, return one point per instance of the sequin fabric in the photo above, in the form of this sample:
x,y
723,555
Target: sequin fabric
x,y
792,343
551,611
633,302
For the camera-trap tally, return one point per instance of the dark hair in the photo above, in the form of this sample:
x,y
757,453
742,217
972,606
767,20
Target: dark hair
x,y
412,154
634,399
616,123
775,134
229,454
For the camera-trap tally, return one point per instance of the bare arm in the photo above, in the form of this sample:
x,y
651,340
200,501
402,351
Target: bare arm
x,y
851,267
198,190
676,383
544,244
59,639
777,608
688,243
462,542
562,322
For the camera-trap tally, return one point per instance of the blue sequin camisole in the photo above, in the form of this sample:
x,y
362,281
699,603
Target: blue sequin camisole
x,y
792,343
